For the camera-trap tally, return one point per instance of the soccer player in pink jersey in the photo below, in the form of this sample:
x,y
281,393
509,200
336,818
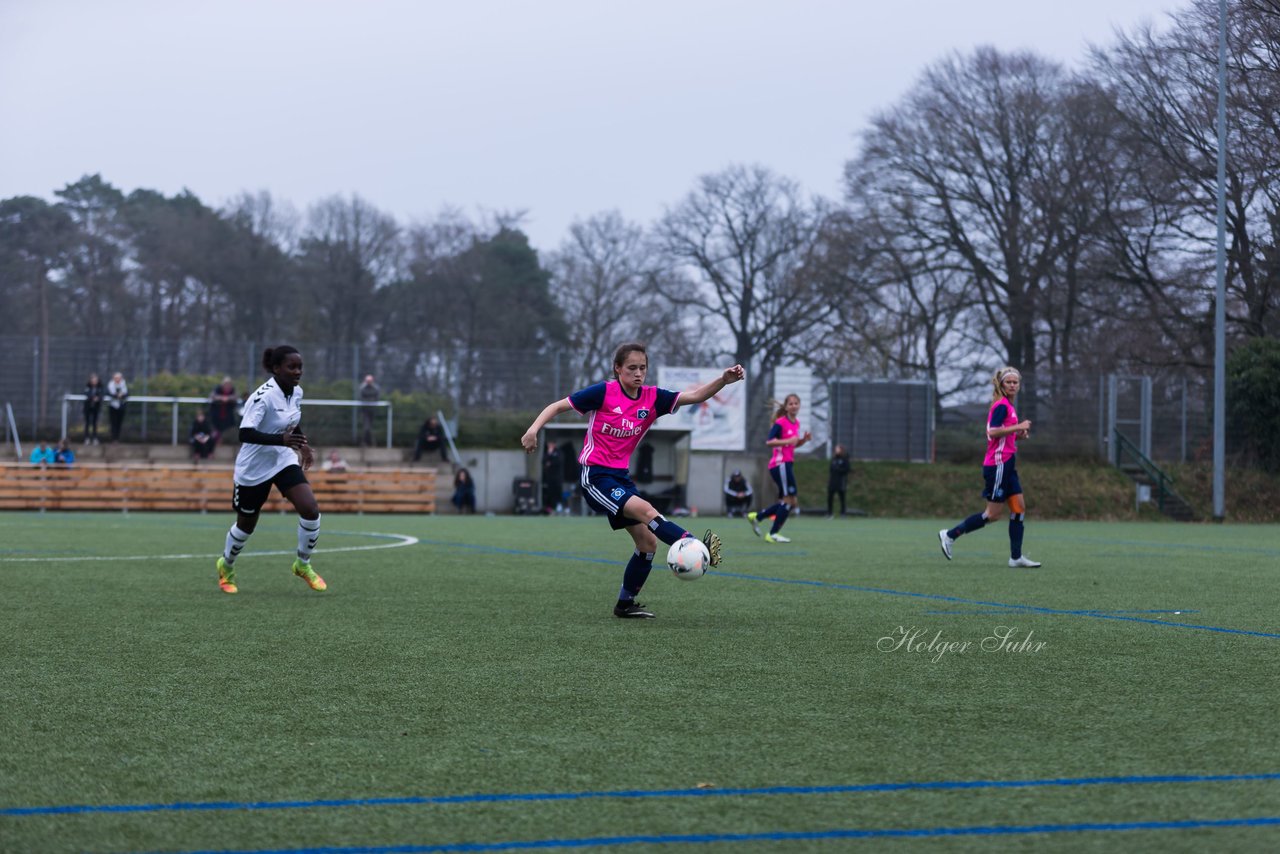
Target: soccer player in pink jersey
x,y
621,411
999,474
784,437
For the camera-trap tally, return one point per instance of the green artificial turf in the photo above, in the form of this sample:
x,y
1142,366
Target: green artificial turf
x,y
484,660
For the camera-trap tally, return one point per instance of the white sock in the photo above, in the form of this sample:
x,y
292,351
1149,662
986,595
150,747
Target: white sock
x,y
236,539
308,533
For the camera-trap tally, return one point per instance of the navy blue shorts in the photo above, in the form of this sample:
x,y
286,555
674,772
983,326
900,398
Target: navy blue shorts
x,y
785,479
606,490
1000,482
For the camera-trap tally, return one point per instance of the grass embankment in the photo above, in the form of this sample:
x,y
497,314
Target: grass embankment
x,y
1054,490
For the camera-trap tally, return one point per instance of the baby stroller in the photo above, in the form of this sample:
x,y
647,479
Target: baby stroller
x,y
525,491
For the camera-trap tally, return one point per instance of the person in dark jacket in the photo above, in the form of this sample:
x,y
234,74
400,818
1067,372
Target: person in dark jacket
x,y
430,440
93,393
838,480
737,495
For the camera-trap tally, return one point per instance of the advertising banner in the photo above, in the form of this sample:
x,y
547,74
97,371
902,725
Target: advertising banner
x,y
718,424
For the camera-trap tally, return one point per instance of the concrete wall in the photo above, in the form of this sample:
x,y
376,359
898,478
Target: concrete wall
x,y
707,473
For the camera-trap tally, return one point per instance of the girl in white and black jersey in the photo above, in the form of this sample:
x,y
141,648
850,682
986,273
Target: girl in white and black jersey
x,y
273,450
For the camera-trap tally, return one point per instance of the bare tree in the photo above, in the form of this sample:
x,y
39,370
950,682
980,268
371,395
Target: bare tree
x,y
349,250
747,240
905,311
1163,224
604,278
973,164
262,284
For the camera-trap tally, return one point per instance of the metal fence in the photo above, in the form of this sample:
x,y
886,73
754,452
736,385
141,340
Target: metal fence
x,y
1168,414
38,374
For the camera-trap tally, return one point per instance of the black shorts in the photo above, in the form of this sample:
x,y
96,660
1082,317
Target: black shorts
x,y
1000,482
249,499
784,478
606,490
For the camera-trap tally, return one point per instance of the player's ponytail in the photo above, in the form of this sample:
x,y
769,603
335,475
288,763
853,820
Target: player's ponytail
x,y
273,356
780,407
997,381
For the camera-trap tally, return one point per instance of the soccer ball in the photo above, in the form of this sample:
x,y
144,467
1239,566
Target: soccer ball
x,y
688,558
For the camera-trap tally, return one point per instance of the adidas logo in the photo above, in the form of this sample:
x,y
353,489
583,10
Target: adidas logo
x,y
618,409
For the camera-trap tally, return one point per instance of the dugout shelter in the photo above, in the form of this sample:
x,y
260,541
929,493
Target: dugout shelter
x,y
660,470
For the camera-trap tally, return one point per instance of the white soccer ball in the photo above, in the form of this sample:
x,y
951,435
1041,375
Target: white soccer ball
x,y
688,558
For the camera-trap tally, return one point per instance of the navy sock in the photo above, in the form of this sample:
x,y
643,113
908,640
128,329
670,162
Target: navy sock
x,y
780,519
974,523
772,511
1015,535
666,531
635,575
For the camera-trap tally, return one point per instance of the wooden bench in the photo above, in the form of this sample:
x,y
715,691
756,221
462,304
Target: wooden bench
x,y
204,488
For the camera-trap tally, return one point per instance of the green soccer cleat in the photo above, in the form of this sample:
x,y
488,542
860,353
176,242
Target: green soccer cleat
x,y
755,522
226,576
303,570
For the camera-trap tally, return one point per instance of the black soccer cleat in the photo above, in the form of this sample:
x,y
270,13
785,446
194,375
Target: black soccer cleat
x,y
712,542
629,609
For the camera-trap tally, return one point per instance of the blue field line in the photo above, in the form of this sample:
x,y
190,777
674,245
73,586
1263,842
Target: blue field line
x,y
832,585
507,797
1026,609
973,612
774,836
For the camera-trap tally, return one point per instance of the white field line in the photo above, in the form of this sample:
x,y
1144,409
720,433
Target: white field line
x,y
401,540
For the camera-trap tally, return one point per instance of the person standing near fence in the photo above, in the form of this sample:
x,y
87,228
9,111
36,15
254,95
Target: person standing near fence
x,y
784,437
999,472
369,395
223,403
117,394
837,480
92,406
273,450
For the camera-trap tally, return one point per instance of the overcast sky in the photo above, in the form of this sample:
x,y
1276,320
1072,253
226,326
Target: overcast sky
x,y
561,108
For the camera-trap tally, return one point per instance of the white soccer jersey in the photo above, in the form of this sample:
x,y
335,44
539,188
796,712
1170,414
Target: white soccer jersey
x,y
269,411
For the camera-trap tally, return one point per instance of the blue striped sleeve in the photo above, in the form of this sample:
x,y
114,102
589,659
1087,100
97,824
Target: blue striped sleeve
x,y
587,399
666,402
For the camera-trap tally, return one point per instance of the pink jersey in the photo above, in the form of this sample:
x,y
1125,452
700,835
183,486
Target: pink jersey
x,y
1000,449
618,422
783,428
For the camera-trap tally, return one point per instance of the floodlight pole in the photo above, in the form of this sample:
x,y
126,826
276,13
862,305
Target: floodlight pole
x,y
1220,310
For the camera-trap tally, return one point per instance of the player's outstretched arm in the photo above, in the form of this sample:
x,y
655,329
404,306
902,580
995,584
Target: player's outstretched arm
x,y
709,390
529,441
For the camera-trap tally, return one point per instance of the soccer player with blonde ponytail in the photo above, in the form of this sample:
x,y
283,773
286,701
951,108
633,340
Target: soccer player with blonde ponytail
x,y
1000,477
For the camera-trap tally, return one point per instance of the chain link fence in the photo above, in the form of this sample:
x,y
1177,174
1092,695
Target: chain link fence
x,y
40,371
1169,415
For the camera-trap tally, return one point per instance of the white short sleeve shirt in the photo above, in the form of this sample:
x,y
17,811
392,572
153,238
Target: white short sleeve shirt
x,y
269,411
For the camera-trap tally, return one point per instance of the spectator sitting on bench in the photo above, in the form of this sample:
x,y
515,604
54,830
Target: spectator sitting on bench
x,y
202,441
464,492
334,463
64,456
41,455
430,440
737,495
